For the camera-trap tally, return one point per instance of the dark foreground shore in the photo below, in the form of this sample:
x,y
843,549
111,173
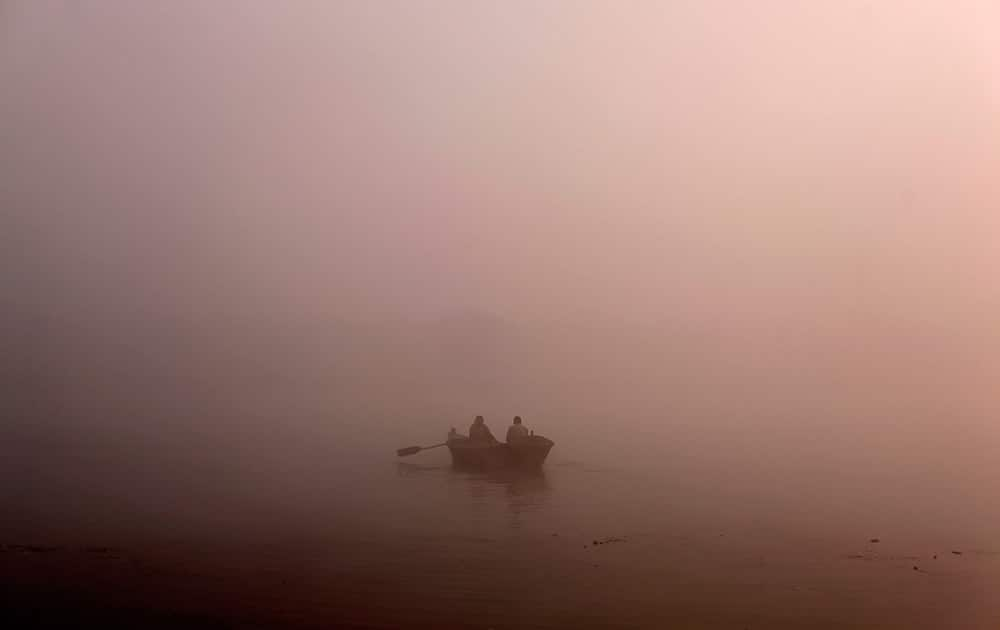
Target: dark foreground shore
x,y
547,581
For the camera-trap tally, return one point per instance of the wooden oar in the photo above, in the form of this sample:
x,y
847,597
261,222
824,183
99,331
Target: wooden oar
x,y
413,450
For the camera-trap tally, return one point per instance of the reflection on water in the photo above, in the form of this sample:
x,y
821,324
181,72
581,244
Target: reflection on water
x,y
520,491
524,491
408,469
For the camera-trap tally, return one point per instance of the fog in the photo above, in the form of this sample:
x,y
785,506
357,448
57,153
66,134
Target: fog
x,y
750,242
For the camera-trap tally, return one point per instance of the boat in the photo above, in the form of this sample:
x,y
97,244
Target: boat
x,y
528,452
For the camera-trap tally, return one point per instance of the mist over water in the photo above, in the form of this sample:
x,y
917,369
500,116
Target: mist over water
x,y
736,261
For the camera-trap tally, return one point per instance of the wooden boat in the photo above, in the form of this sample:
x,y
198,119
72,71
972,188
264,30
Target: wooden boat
x,y
529,452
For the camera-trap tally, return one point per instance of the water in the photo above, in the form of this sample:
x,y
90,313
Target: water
x,y
348,535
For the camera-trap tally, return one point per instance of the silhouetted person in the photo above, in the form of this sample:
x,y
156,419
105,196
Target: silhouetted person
x,y
516,431
479,432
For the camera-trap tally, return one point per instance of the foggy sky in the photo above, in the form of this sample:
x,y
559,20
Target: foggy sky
x,y
782,186
567,161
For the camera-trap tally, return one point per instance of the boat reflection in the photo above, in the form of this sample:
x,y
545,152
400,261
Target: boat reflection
x,y
524,490
409,469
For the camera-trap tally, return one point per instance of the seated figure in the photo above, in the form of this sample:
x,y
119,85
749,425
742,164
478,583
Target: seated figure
x,y
479,432
516,431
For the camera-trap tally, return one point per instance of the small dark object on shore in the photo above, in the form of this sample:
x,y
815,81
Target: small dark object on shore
x,y
98,549
935,556
875,540
957,553
916,568
30,548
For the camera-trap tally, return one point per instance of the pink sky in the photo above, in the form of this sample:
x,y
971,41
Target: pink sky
x,y
578,159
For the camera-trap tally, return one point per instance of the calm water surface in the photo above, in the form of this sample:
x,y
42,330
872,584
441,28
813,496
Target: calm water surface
x,y
367,540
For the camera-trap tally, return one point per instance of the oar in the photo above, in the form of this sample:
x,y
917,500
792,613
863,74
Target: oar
x,y
413,450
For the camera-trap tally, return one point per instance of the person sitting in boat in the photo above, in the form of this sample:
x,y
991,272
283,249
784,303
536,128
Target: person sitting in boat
x,y
479,432
516,431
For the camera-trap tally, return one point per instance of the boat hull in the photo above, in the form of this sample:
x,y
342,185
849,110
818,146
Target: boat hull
x,y
529,452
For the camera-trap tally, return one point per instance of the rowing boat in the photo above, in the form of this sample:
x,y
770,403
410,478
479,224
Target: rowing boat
x,y
528,452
